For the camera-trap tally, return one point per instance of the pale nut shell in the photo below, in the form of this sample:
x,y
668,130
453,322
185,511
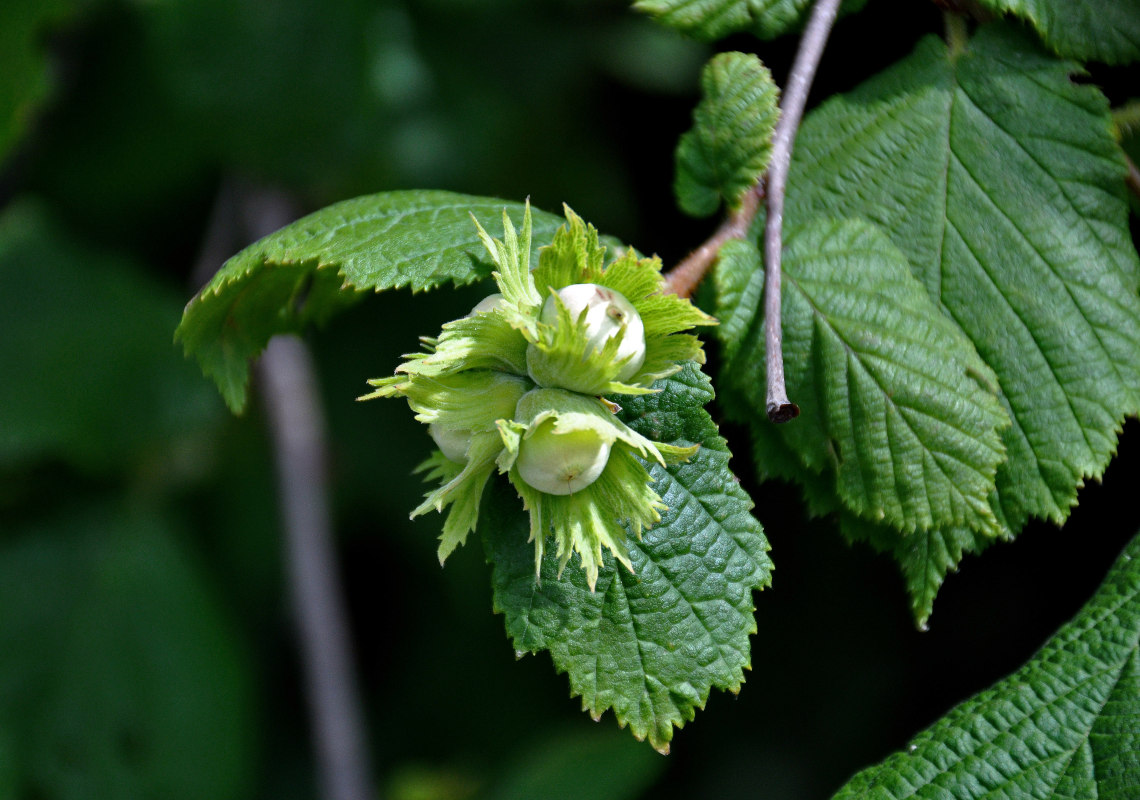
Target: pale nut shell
x,y
452,442
487,304
607,312
562,463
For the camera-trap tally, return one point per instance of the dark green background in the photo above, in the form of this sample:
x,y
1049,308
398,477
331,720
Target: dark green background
x,y
146,648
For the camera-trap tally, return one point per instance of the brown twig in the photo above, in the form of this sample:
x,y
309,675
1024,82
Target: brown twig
x,y
779,408
296,421
685,276
683,279
242,214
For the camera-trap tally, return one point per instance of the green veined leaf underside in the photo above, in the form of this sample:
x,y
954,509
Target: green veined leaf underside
x,y
894,398
925,555
1063,726
998,178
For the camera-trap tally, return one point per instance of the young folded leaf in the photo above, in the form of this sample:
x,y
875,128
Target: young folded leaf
x,y
730,143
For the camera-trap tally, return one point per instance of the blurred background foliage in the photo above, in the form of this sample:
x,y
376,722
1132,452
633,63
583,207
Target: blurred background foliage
x,y
146,648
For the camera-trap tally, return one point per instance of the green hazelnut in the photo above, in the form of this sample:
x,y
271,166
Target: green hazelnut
x,y
452,442
487,304
607,313
562,463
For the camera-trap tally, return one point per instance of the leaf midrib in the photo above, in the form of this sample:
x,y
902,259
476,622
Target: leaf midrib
x,y
888,398
1061,186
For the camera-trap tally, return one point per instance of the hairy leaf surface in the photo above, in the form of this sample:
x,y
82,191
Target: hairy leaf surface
x,y
1063,726
1089,30
649,644
894,397
924,557
998,177
731,141
320,264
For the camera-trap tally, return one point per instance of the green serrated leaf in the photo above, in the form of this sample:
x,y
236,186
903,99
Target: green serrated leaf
x,y
317,266
885,382
999,179
649,644
728,149
1063,726
714,19
738,284
925,557
1089,30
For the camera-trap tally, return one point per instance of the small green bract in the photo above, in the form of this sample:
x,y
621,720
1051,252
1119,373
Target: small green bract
x,y
519,385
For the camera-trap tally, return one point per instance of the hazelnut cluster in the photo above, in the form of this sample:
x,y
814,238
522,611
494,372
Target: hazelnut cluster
x,y
522,384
